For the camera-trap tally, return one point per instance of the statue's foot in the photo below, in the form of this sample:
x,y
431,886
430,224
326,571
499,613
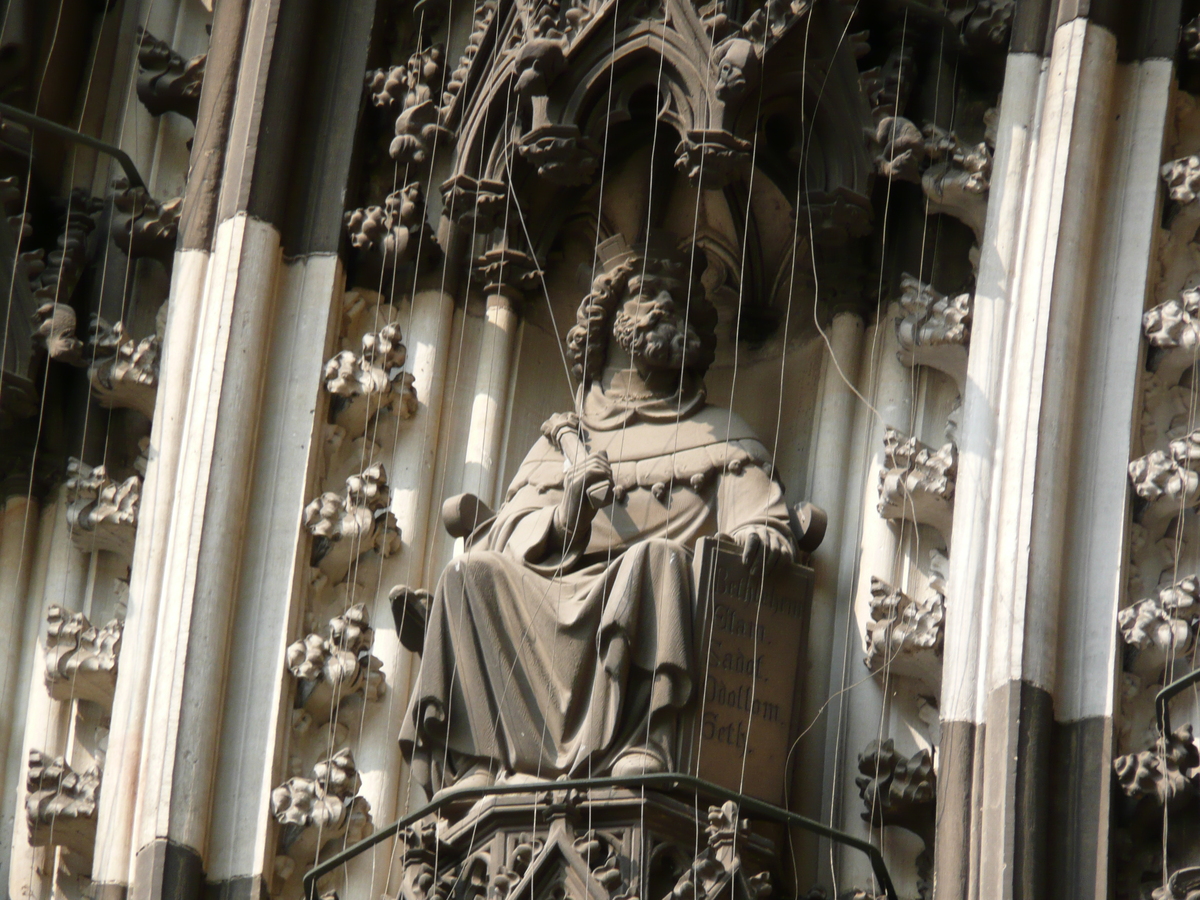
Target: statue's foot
x,y
477,776
638,761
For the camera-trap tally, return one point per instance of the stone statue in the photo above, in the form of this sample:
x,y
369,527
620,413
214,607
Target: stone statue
x,y
560,642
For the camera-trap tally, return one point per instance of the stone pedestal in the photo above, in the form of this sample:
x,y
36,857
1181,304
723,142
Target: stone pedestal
x,y
604,844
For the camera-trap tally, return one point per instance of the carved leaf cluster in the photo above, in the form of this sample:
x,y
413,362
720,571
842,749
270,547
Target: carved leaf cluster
x,y
934,329
917,482
123,370
81,659
102,513
349,524
320,810
166,81
898,790
905,635
1162,627
395,233
331,669
1168,774
1182,177
60,803
145,228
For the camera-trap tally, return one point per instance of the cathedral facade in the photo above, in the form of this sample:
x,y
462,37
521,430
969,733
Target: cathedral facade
x,y
600,449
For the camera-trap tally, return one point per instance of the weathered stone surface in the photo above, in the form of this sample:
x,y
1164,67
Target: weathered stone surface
x,y
81,659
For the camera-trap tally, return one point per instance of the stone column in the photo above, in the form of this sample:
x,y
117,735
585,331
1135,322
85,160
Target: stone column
x,y
855,716
834,427
506,273
18,536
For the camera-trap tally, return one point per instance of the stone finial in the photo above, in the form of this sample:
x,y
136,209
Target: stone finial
x,y
371,381
917,482
718,867
60,804
329,670
81,659
934,329
124,370
320,811
102,513
348,525
166,81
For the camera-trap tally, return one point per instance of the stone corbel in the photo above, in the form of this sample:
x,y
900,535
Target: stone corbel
x,y
917,482
412,92
934,330
60,804
166,81
102,513
506,271
371,381
904,635
81,659
330,670
1160,629
345,526
123,370
319,812
395,233
1182,178
145,228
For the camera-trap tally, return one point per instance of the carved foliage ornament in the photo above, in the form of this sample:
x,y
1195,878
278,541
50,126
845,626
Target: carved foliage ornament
x,y
330,670
904,635
1165,775
123,370
166,81
394,233
917,482
320,811
371,380
60,804
1160,629
102,513
145,227
347,525
934,329
81,659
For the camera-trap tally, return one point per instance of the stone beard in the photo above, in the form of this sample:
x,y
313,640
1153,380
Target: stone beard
x,y
560,642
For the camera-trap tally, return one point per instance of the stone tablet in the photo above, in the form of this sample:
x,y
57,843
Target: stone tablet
x,y
751,635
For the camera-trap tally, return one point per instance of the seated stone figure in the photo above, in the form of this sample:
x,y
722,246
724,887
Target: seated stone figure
x,y
560,642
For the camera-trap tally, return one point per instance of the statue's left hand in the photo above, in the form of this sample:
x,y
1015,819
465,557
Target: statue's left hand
x,y
763,546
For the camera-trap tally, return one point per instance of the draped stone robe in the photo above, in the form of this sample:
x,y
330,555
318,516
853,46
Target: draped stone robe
x,y
551,664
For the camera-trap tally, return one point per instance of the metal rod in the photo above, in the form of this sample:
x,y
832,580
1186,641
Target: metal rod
x,y
1161,713
662,781
62,131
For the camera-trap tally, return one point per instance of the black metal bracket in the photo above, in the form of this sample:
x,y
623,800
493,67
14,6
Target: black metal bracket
x,y
747,806
1162,713
70,134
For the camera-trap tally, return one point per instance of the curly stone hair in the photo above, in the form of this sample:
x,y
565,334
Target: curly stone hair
x,y
587,341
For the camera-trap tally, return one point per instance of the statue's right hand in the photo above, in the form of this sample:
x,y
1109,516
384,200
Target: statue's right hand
x,y
575,512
